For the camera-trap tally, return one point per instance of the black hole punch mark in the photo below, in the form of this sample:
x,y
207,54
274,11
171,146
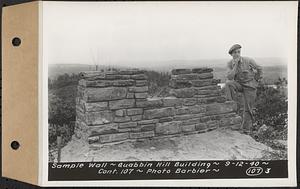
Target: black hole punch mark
x,y
15,145
16,41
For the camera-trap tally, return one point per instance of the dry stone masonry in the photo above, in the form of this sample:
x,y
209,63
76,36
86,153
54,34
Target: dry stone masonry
x,y
114,106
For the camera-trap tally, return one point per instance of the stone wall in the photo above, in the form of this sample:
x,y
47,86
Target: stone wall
x,y
114,106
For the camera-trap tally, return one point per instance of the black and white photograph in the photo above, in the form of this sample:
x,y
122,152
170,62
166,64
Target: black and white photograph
x,y
158,84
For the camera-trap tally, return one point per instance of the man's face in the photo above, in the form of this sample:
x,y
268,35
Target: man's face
x,y
236,54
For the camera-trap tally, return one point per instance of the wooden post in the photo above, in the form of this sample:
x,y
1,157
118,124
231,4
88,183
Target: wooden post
x,y
58,144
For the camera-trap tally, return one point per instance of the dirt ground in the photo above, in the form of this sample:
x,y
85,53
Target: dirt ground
x,y
215,145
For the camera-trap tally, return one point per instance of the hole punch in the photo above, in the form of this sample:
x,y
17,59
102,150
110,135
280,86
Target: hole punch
x,y
15,145
16,41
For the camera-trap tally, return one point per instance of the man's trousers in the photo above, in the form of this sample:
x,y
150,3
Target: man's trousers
x,y
249,93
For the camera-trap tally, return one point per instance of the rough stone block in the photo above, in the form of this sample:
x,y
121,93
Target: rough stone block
x,y
158,113
178,84
182,110
204,119
183,93
120,113
81,130
230,121
168,128
187,116
146,122
138,89
95,106
91,74
221,99
102,75
201,126
81,83
120,83
80,104
108,76
202,70
128,125
80,93
107,83
148,103
200,91
93,139
80,87
191,121
145,134
136,118
81,125
208,87
148,127
103,129
181,71
204,82
125,130
120,104
141,95
104,94
212,124
134,111
122,119
79,110
189,101
208,100
221,108
98,118
172,101
222,116
119,77
188,128
77,100
140,83
131,72
207,95
139,77
113,137
197,109
192,76
130,95
165,119
135,129
183,117
80,116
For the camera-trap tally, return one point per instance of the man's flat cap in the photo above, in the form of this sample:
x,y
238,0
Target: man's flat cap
x,y
234,47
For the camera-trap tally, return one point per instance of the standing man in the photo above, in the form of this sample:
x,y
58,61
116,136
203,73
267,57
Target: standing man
x,y
243,76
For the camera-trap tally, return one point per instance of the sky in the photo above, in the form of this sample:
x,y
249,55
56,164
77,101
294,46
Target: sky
x,y
115,32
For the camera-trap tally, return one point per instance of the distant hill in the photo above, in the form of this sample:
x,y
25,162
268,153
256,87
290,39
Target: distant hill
x,y
55,70
272,67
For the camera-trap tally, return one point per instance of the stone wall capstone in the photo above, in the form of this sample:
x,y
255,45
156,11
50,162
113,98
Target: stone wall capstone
x,y
114,106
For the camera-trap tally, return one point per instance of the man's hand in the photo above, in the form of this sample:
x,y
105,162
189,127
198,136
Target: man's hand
x,y
236,62
233,67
